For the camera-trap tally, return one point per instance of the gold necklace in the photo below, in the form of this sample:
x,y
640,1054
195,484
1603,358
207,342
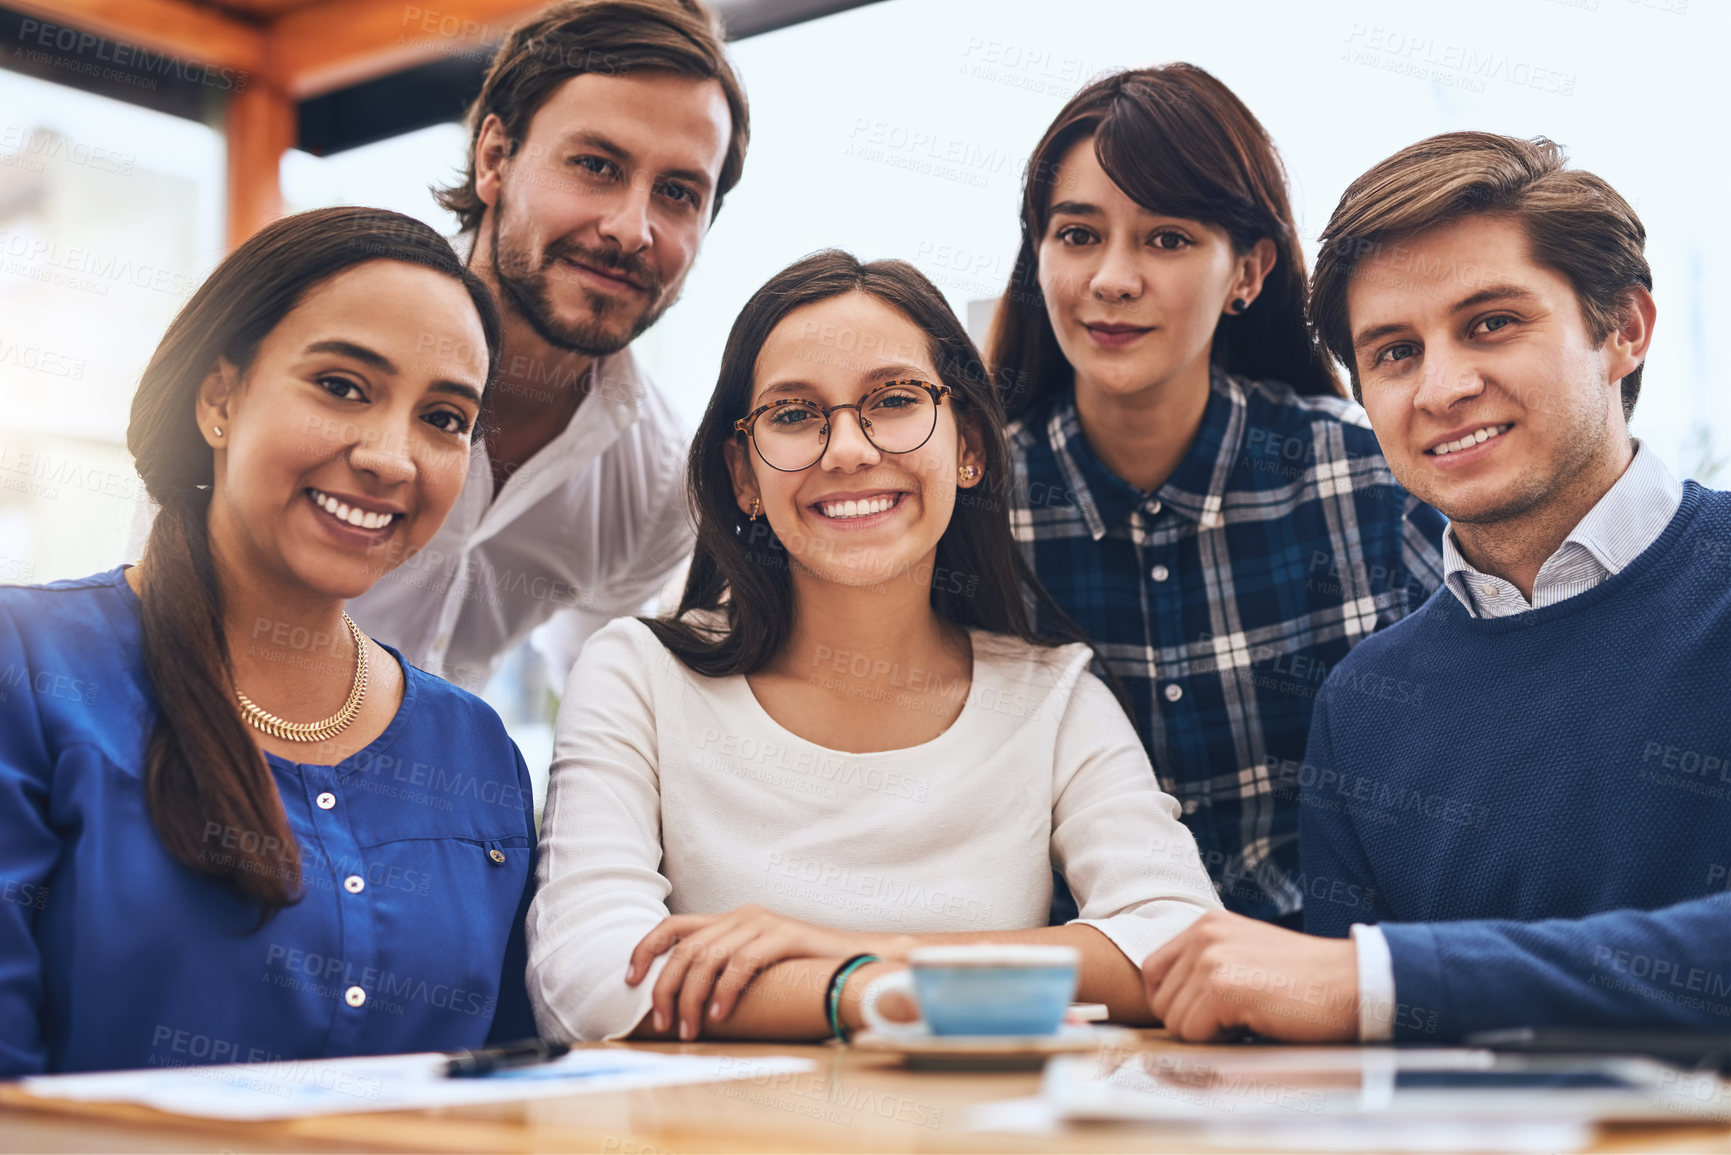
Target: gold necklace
x,y
314,731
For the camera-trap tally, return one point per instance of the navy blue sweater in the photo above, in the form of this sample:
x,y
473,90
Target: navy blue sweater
x,y
1537,809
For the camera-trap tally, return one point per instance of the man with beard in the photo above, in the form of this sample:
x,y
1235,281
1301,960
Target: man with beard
x,y
605,136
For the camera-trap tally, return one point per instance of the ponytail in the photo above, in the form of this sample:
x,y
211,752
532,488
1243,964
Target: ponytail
x,y
211,794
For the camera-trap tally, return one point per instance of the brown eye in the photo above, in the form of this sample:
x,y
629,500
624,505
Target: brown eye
x,y
793,416
679,192
454,422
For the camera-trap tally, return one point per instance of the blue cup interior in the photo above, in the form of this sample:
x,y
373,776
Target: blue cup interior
x,y
994,1000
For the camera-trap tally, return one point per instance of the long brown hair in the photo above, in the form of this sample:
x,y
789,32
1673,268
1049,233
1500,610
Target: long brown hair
x,y
1178,142
211,795
740,570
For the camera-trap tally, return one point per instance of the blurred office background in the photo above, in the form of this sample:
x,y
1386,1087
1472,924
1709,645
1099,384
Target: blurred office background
x,y
896,128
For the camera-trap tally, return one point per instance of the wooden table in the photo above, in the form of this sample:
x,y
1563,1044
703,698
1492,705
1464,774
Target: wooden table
x,y
851,1102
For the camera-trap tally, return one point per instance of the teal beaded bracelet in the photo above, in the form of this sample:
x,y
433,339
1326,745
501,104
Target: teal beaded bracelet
x,y
832,1000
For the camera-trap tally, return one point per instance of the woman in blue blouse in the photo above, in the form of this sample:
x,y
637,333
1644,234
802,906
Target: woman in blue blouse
x,y
232,827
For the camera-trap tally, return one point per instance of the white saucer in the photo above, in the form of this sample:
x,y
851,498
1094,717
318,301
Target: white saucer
x,y
977,1051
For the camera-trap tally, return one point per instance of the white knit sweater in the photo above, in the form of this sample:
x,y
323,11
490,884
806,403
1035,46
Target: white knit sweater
x,y
676,793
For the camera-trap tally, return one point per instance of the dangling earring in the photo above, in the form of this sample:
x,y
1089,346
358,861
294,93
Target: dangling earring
x,y
967,473
756,508
1239,304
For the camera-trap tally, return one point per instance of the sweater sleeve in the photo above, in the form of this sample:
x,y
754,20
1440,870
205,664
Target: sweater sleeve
x,y
29,851
1339,887
1131,864
1668,968
599,887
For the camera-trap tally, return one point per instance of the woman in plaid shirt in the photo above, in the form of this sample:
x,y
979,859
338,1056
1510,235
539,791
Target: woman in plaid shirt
x,y
1189,480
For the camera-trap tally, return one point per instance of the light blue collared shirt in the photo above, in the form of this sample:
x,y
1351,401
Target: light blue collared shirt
x,y
1617,530
1624,522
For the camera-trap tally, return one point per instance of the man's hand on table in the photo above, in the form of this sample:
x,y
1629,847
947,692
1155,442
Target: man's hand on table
x,y
1228,974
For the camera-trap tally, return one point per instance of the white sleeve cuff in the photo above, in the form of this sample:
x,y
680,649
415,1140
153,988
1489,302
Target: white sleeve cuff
x,y
1375,984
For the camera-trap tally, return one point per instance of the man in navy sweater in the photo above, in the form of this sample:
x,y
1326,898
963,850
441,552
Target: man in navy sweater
x,y
1516,801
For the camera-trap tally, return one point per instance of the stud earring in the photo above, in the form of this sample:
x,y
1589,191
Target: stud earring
x,y
967,473
756,508
1239,304
216,429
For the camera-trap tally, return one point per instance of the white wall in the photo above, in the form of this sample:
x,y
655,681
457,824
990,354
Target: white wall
x,y
110,216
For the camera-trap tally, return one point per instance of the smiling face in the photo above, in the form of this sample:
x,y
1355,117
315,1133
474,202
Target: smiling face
x,y
1486,390
1133,296
858,516
595,220
346,441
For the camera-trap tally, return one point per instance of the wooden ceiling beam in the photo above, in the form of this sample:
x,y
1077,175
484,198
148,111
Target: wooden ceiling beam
x,y
259,129
199,36
337,43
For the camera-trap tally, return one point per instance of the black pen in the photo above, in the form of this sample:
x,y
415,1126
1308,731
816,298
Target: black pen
x,y
524,1053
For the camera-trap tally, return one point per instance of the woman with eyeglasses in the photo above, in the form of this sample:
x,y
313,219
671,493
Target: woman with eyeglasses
x,y
233,827
1189,480
850,741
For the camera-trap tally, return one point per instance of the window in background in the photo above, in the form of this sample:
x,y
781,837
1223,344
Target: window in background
x,y
393,174
110,216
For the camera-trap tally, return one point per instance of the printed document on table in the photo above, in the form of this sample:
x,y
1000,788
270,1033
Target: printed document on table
x,y
288,1090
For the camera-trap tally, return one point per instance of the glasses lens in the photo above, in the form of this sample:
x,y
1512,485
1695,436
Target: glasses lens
x,y
790,437
902,416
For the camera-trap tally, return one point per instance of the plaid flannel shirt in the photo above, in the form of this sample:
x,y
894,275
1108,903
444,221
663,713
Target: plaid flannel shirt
x,y
1222,600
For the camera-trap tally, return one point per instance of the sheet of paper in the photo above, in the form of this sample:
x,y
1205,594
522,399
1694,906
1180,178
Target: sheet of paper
x,y
1039,1116
287,1090
1369,1098
1394,1134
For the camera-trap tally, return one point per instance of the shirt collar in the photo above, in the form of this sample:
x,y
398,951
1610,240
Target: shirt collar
x,y
613,403
1458,572
1197,487
613,400
1618,529
1632,514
